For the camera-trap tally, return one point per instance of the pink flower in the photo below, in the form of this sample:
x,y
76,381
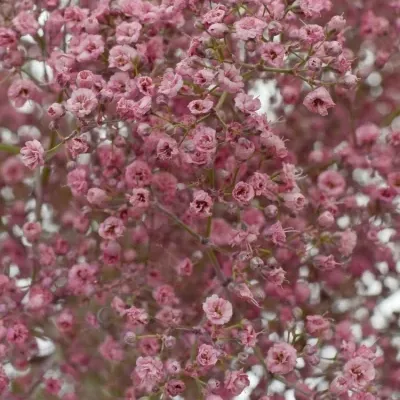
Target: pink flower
x,y
236,381
96,196
185,267
249,28
218,311
8,37
273,54
347,242
145,85
281,358
230,79
77,181
112,228
215,15
136,316
32,154
122,57
205,139
25,23
150,371
331,183
140,198
316,324
77,146
170,84
174,387
294,201
90,48
32,230
167,148
244,149
201,205
198,107
247,103
204,77
313,8
17,334
111,350
21,91
311,34
360,372
138,174
319,101
128,32
367,134
56,111
82,102
243,193
207,355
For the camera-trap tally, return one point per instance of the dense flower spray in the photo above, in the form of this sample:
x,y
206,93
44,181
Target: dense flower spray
x,y
170,227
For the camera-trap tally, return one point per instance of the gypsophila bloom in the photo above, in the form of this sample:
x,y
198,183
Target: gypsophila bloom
x,y
150,370
281,358
32,154
158,203
218,311
319,101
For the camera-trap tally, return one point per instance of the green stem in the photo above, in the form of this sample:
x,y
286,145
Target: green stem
x,y
9,148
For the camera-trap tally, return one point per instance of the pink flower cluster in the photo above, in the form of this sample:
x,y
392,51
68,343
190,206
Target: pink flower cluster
x,y
193,189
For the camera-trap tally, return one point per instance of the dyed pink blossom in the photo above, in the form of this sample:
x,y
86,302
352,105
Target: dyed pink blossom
x,y
249,28
96,196
170,84
25,23
111,350
218,310
174,387
17,334
167,148
77,145
347,242
316,324
281,358
246,103
207,355
32,154
367,134
90,48
319,101
243,193
201,205
149,370
56,111
273,54
359,371
138,174
77,181
230,79
198,107
112,228
140,198
185,267
32,230
8,37
236,381
331,183
82,102
21,91
128,32
122,57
